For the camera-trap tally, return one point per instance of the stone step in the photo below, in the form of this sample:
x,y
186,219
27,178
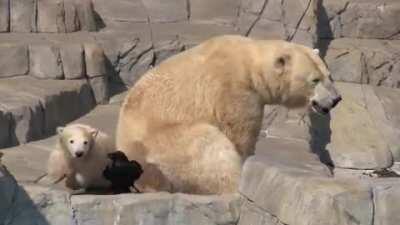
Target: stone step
x,y
366,61
47,16
285,183
58,57
31,109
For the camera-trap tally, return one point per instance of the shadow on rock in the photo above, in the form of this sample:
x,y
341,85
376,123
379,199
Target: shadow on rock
x,y
16,206
321,132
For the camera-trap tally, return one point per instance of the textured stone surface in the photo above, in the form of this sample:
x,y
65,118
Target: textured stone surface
x,y
275,19
360,19
95,60
387,199
50,16
45,62
217,12
167,11
100,89
4,15
71,17
23,16
288,182
374,62
135,58
166,49
36,107
86,14
366,147
13,60
72,58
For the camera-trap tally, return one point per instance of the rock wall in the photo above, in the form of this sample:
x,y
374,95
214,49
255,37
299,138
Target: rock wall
x,y
58,59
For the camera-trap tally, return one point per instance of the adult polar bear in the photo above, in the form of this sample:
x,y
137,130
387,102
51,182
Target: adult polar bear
x,y
193,120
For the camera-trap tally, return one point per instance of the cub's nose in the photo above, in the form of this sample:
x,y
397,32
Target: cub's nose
x,y
336,101
79,154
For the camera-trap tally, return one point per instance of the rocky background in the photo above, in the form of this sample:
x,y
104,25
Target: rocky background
x,y
72,60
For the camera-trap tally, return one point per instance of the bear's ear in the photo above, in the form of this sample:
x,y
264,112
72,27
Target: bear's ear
x,y
60,130
316,51
282,63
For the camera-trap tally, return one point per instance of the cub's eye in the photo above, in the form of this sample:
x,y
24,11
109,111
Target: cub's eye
x,y
316,80
85,142
71,141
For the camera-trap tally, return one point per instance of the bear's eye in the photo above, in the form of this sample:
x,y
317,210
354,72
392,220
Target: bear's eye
x,y
71,141
85,142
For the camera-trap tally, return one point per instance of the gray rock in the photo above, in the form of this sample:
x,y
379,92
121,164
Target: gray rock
x,y
122,11
72,57
166,49
4,15
160,208
223,12
45,62
50,18
26,116
23,16
360,150
373,62
252,214
100,89
387,199
71,17
171,11
291,20
296,190
5,121
385,113
360,19
13,60
136,58
95,60
42,105
86,15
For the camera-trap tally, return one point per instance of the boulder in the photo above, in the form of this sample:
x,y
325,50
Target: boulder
x,y
100,90
360,19
387,202
72,57
23,15
373,62
87,15
222,12
51,16
95,60
45,62
13,60
4,15
71,17
171,11
166,49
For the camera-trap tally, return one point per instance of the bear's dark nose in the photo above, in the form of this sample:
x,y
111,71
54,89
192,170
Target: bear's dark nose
x,y
79,154
336,101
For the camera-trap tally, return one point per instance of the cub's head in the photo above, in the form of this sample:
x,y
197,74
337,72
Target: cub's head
x,y
77,140
295,76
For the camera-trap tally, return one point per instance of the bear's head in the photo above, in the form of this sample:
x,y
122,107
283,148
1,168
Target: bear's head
x,y
295,76
77,140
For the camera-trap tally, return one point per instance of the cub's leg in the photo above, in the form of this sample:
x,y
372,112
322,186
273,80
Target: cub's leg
x,y
196,159
57,168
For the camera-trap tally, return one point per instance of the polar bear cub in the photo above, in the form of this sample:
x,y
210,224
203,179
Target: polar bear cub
x,y
80,157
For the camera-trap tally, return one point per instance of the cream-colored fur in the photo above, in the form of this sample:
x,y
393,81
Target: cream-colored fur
x,y
85,171
194,119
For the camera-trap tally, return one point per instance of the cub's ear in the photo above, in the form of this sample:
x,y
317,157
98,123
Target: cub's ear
x,y
60,130
316,51
282,63
94,133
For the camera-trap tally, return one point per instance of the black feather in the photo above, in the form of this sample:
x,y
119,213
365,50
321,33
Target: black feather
x,y
122,173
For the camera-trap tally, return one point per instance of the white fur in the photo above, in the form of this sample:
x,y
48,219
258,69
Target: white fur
x,y
85,171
